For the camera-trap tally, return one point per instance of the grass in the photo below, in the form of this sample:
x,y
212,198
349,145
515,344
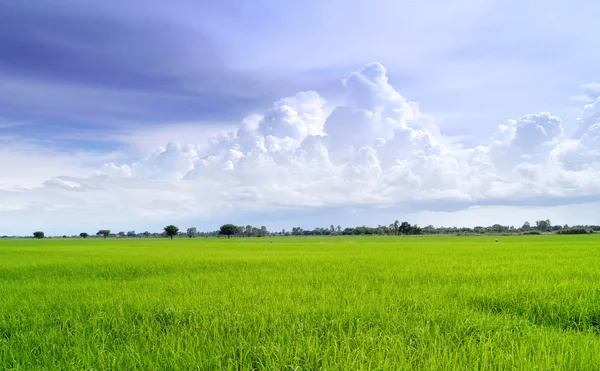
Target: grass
x,y
334,303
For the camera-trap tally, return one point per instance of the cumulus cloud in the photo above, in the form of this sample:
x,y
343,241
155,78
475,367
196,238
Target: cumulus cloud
x,y
528,139
590,116
374,149
589,92
583,150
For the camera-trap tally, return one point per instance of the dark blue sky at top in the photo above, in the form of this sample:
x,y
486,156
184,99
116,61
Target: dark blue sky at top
x,y
83,68
66,69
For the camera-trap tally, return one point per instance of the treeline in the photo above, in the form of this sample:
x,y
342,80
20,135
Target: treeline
x,y
395,228
576,231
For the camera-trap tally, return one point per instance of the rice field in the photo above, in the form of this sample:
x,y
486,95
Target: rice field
x,y
303,303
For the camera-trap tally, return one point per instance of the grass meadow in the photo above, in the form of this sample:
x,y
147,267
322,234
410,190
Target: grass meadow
x,y
301,303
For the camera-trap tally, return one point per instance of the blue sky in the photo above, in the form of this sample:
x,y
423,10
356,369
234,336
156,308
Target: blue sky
x,y
97,91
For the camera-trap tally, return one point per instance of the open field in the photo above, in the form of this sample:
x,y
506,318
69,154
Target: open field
x,y
335,303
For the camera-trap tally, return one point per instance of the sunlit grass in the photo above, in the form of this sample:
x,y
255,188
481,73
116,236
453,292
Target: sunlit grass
x,y
342,303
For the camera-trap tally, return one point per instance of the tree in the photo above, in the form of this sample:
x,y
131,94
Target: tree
x,y
228,230
543,225
415,229
38,234
526,227
171,231
263,231
396,228
103,232
131,234
83,235
404,228
121,234
191,232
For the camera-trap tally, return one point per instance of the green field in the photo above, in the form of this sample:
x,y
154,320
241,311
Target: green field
x,y
308,303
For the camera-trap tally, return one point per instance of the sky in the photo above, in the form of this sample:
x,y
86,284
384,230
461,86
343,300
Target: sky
x,y
134,115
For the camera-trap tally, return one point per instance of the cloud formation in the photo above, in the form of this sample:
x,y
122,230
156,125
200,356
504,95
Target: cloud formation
x,y
376,149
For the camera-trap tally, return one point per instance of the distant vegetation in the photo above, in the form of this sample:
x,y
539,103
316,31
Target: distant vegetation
x,y
575,231
171,231
103,232
394,229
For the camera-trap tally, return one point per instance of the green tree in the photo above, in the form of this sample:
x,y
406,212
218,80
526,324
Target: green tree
x,y
171,230
83,235
404,228
228,230
543,225
103,232
38,234
191,232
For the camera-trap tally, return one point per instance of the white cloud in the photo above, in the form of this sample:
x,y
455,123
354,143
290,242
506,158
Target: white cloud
x,y
590,115
144,140
27,164
376,149
589,93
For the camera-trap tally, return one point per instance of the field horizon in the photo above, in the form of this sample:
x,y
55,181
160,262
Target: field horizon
x,y
301,303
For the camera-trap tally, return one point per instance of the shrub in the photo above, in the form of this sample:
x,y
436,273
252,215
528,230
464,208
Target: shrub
x,y
573,231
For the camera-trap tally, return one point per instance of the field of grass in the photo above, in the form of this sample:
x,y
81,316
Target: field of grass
x,y
308,303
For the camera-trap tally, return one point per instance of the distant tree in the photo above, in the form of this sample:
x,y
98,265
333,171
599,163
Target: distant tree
x,y
404,228
191,232
131,234
338,229
415,229
263,231
38,234
228,230
543,225
497,228
146,234
171,231
332,229
526,227
83,235
396,228
103,232
430,229
121,234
